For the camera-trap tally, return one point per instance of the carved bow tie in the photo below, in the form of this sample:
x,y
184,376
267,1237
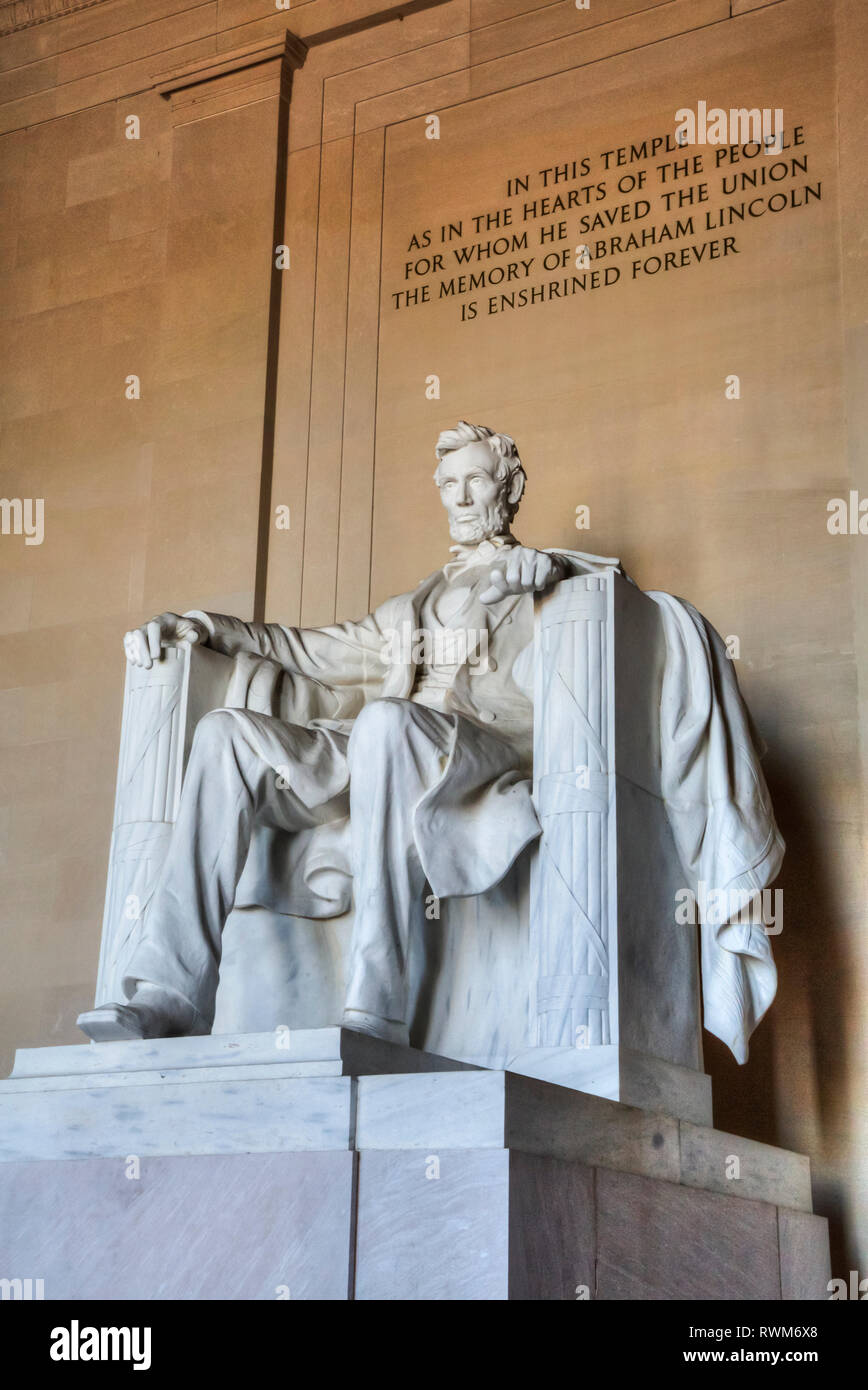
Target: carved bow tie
x,y
482,553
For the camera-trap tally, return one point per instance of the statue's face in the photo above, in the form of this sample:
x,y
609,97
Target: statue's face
x,y
475,500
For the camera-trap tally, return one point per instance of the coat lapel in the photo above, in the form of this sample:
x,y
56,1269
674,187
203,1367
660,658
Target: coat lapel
x,y
400,679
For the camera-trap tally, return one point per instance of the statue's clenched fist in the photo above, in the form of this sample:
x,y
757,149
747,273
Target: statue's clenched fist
x,y
523,571
143,645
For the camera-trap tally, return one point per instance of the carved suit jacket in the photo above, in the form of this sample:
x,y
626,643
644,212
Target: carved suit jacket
x,y
324,676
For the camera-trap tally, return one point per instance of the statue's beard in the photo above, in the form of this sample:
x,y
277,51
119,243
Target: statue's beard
x,y
493,521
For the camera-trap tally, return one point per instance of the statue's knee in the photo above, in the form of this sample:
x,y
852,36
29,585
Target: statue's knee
x,y
379,724
214,731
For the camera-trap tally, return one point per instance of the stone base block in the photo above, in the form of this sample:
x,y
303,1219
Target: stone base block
x,y
217,1226
393,1224
230,1093
490,1224
235,1174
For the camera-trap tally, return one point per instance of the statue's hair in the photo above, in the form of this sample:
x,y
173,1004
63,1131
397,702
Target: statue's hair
x,y
502,446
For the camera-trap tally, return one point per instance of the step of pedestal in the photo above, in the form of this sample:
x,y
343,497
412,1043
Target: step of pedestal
x,y
298,1051
224,1093
503,1110
256,1107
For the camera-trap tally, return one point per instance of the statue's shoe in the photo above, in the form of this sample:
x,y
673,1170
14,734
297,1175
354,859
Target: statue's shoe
x,y
151,1013
387,1029
111,1023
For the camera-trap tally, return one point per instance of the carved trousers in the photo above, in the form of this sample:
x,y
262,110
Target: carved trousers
x,y
397,750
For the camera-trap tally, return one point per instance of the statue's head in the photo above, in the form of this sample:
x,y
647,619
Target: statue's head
x,y
481,481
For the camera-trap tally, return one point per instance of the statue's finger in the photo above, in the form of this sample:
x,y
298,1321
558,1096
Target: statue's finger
x,y
497,587
153,633
542,572
141,652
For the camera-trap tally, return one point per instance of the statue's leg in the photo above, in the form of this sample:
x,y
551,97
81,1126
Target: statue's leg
x,y
172,973
397,751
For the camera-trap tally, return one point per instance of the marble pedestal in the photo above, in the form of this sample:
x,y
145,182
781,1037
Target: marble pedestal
x,y
204,1168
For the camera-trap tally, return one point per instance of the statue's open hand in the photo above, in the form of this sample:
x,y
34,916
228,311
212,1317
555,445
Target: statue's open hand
x,y
523,571
143,645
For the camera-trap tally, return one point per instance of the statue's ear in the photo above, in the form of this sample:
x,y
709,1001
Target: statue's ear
x,y
516,488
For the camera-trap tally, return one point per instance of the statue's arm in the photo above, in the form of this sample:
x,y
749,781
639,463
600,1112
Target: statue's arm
x,y
337,655
343,656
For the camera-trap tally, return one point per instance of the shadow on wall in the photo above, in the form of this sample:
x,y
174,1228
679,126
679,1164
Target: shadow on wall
x,y
803,1041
